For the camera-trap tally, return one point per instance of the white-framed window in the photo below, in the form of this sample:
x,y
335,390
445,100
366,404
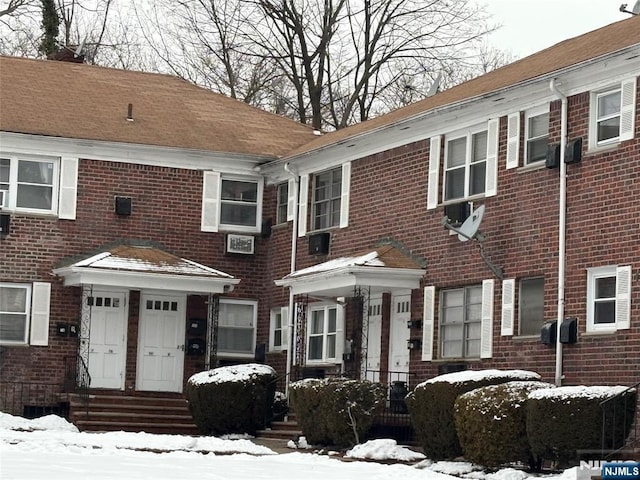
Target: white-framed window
x,y
326,199
29,183
324,334
24,313
282,202
460,322
466,321
536,136
278,329
329,205
531,306
237,327
231,203
469,165
608,298
612,114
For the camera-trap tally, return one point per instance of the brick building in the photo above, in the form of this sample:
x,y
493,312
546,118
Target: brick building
x,y
153,229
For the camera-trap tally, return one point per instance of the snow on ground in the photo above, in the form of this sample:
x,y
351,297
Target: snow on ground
x,y
51,448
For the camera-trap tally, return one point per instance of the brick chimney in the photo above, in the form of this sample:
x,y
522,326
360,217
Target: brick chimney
x,y
67,54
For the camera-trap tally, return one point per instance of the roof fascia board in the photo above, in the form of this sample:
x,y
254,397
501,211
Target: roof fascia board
x,y
578,78
132,153
76,276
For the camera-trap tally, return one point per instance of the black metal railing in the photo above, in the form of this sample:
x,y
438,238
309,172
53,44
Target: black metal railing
x,y
31,400
77,379
619,422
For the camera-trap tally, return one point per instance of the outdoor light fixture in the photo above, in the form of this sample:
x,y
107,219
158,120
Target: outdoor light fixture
x,y
414,323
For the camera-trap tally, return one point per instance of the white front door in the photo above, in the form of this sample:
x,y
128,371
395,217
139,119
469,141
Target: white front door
x,y
373,339
398,336
107,336
161,341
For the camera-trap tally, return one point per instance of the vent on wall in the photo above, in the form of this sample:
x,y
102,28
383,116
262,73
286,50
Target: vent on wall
x,y
243,244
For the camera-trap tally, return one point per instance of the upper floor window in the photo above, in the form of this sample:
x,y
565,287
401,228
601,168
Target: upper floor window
x,y
469,167
282,202
465,166
29,183
327,195
231,203
329,205
537,137
24,313
237,327
608,298
612,114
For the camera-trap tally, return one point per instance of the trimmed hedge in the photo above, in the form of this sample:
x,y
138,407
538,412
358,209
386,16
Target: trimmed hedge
x,y
235,399
431,406
336,411
564,420
491,423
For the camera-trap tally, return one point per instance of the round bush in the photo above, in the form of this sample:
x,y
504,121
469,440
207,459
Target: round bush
x,y
336,411
235,399
491,423
564,420
431,406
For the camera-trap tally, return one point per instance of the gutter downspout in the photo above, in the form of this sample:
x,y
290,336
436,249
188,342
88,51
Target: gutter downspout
x,y
292,314
562,220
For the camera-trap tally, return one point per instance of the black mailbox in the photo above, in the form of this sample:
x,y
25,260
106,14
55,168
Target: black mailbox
x,y
548,333
197,326
195,346
569,330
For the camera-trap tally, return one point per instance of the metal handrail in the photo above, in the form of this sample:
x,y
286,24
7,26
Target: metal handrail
x,y
603,404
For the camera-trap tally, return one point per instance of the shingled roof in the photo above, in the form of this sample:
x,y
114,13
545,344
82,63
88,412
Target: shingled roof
x,y
70,100
597,43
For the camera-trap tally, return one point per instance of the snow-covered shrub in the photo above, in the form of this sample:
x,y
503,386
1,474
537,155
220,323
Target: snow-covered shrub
x,y
336,411
491,423
431,406
561,421
235,399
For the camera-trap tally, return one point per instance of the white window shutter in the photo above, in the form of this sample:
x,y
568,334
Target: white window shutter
x,y
434,169
627,109
291,199
623,297
508,307
40,300
428,319
340,339
68,196
302,207
491,182
344,198
513,140
284,314
210,202
486,327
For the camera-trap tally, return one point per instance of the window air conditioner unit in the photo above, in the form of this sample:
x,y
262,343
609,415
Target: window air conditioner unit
x,y
4,198
243,244
457,213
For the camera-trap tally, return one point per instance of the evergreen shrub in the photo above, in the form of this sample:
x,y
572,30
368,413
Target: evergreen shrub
x,y
336,412
565,420
234,399
431,405
491,424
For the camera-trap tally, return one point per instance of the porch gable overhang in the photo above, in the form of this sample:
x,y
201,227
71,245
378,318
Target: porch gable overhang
x,y
146,268
339,277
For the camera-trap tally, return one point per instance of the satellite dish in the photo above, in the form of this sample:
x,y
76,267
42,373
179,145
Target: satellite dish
x,y
435,86
469,229
636,8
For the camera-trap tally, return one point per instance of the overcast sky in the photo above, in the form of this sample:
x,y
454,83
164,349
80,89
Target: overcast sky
x,y
529,26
